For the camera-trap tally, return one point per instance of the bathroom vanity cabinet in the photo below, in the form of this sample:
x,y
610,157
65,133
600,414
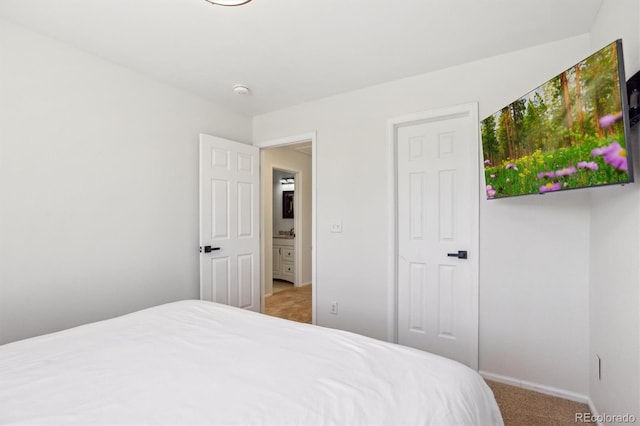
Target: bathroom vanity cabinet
x,y
284,259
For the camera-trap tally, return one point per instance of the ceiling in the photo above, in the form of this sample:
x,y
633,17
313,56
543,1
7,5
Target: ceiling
x,y
293,51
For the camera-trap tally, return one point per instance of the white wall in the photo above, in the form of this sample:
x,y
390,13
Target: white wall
x,y
615,250
534,251
287,159
98,186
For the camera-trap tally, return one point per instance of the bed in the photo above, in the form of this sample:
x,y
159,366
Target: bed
x,y
202,363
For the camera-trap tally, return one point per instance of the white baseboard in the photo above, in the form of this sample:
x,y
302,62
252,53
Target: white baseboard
x,y
303,284
594,410
547,390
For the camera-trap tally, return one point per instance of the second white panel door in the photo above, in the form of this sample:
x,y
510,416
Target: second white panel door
x,y
437,261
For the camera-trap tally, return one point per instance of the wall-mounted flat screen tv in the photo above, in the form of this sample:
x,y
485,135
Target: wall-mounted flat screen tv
x,y
570,132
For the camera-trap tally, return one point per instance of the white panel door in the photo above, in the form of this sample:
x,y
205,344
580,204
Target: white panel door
x,y
229,223
437,187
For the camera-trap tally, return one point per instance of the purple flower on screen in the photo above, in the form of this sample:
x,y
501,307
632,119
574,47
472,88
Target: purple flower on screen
x,y
543,175
567,171
550,187
511,166
609,119
616,156
492,176
487,162
600,151
490,191
587,165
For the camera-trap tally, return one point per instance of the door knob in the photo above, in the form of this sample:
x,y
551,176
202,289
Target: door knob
x,y
208,249
461,254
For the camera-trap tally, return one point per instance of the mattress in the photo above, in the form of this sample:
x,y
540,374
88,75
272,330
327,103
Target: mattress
x,y
202,363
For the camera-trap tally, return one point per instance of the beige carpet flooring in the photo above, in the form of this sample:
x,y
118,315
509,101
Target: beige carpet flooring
x,y
292,303
522,407
519,407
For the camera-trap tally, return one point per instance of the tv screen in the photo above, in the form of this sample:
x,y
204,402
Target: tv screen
x,y
568,133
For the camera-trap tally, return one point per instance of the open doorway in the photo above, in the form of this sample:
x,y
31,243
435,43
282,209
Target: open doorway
x,y
285,269
288,229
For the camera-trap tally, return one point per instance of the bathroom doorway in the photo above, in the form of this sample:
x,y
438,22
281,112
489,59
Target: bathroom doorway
x,y
287,191
284,260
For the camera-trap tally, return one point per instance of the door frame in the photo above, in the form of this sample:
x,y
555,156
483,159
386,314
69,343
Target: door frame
x,y
393,124
281,142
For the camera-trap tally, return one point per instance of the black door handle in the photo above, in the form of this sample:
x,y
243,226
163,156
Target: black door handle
x,y
461,254
208,249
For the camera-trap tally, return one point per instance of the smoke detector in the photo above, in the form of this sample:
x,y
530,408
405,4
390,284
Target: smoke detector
x,y
240,89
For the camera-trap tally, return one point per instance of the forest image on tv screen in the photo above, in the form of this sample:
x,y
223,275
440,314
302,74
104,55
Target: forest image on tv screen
x,y
568,133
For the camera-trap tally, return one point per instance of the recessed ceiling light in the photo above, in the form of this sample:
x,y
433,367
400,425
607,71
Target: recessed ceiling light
x,y
240,89
228,2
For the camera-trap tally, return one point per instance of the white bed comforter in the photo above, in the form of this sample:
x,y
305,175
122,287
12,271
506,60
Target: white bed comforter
x,y
198,363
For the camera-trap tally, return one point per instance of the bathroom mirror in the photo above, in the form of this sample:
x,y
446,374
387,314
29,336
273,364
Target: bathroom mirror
x,y
287,204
